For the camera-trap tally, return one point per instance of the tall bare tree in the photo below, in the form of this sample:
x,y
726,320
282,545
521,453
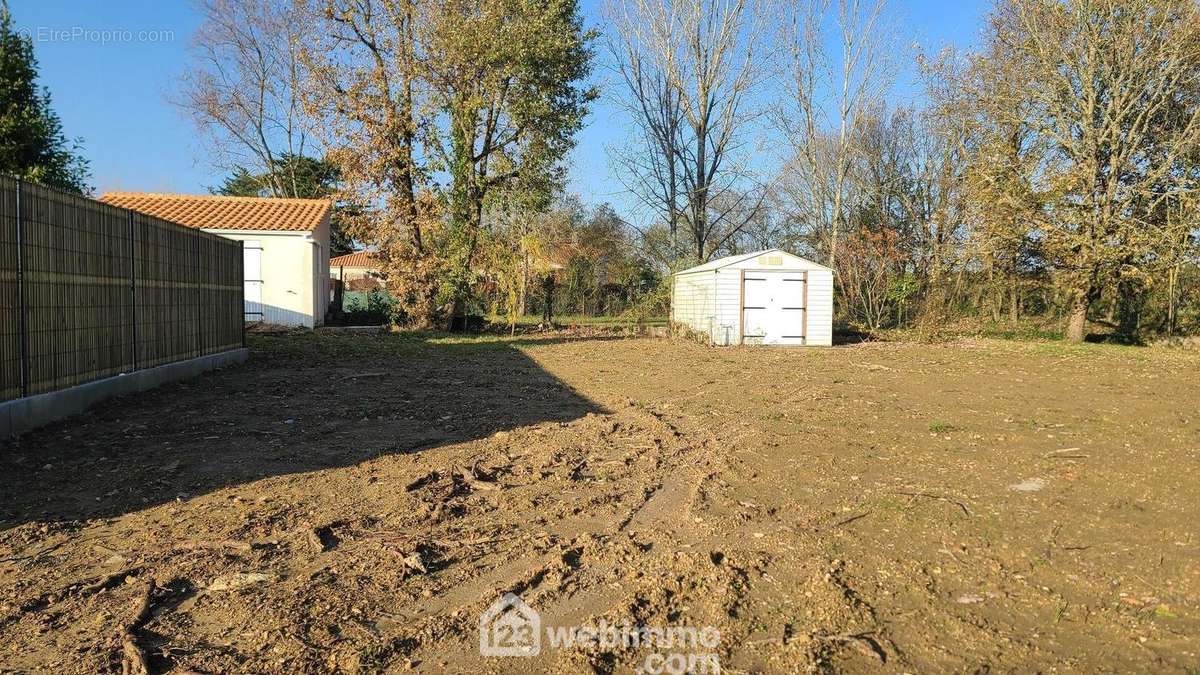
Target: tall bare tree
x,y
690,69
830,94
654,110
242,89
939,149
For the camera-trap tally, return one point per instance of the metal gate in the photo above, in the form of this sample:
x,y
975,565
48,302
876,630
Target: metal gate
x,y
774,307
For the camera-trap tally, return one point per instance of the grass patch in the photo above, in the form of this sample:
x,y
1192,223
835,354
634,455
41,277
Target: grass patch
x,y
1091,349
939,427
1164,612
315,347
1022,332
581,320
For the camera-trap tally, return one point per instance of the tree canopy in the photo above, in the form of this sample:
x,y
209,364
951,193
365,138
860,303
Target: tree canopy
x,y
1051,173
32,143
298,177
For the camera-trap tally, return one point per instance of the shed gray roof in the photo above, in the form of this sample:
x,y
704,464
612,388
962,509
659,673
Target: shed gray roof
x,y
714,265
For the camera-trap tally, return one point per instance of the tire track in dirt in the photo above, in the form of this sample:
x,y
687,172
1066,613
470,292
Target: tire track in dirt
x,y
761,554
569,568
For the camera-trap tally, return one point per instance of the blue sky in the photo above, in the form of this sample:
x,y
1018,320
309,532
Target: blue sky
x,y
111,88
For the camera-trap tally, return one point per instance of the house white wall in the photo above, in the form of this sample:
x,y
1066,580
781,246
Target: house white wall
x,y
295,273
320,268
347,272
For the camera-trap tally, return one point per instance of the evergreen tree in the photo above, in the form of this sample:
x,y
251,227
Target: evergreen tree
x,y
32,144
294,176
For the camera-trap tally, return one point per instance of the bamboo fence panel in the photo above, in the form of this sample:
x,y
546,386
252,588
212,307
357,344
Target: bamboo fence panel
x,y
94,290
10,302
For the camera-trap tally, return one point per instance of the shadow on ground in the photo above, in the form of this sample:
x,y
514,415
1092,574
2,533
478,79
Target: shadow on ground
x,y
849,336
302,403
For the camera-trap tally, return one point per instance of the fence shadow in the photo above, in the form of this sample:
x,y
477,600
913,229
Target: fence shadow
x,y
303,403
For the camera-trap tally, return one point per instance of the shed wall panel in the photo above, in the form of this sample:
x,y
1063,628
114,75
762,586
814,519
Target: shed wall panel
x,y
820,308
693,301
727,316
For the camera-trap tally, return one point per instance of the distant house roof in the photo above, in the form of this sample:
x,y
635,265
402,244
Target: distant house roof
x,y
215,212
356,259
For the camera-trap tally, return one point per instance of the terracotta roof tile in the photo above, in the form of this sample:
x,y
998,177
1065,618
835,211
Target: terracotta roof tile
x,y
215,212
356,259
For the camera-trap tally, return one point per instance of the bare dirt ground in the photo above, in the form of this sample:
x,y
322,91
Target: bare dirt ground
x,y
354,503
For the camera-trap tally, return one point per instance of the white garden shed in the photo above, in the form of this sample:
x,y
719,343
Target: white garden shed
x,y
770,297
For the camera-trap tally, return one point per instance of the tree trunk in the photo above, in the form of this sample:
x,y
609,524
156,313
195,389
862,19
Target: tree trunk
x,y
833,225
698,197
1172,283
408,182
1082,291
993,293
458,316
1014,301
1130,300
1077,320
522,296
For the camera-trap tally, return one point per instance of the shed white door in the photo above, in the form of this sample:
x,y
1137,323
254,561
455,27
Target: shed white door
x,y
252,280
774,307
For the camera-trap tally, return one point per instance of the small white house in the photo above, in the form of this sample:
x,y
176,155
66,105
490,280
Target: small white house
x,y
285,247
770,297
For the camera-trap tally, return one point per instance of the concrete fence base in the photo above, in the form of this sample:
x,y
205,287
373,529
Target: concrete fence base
x,y
31,412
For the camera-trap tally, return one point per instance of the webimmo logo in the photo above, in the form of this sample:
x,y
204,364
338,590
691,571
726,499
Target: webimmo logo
x,y
510,627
